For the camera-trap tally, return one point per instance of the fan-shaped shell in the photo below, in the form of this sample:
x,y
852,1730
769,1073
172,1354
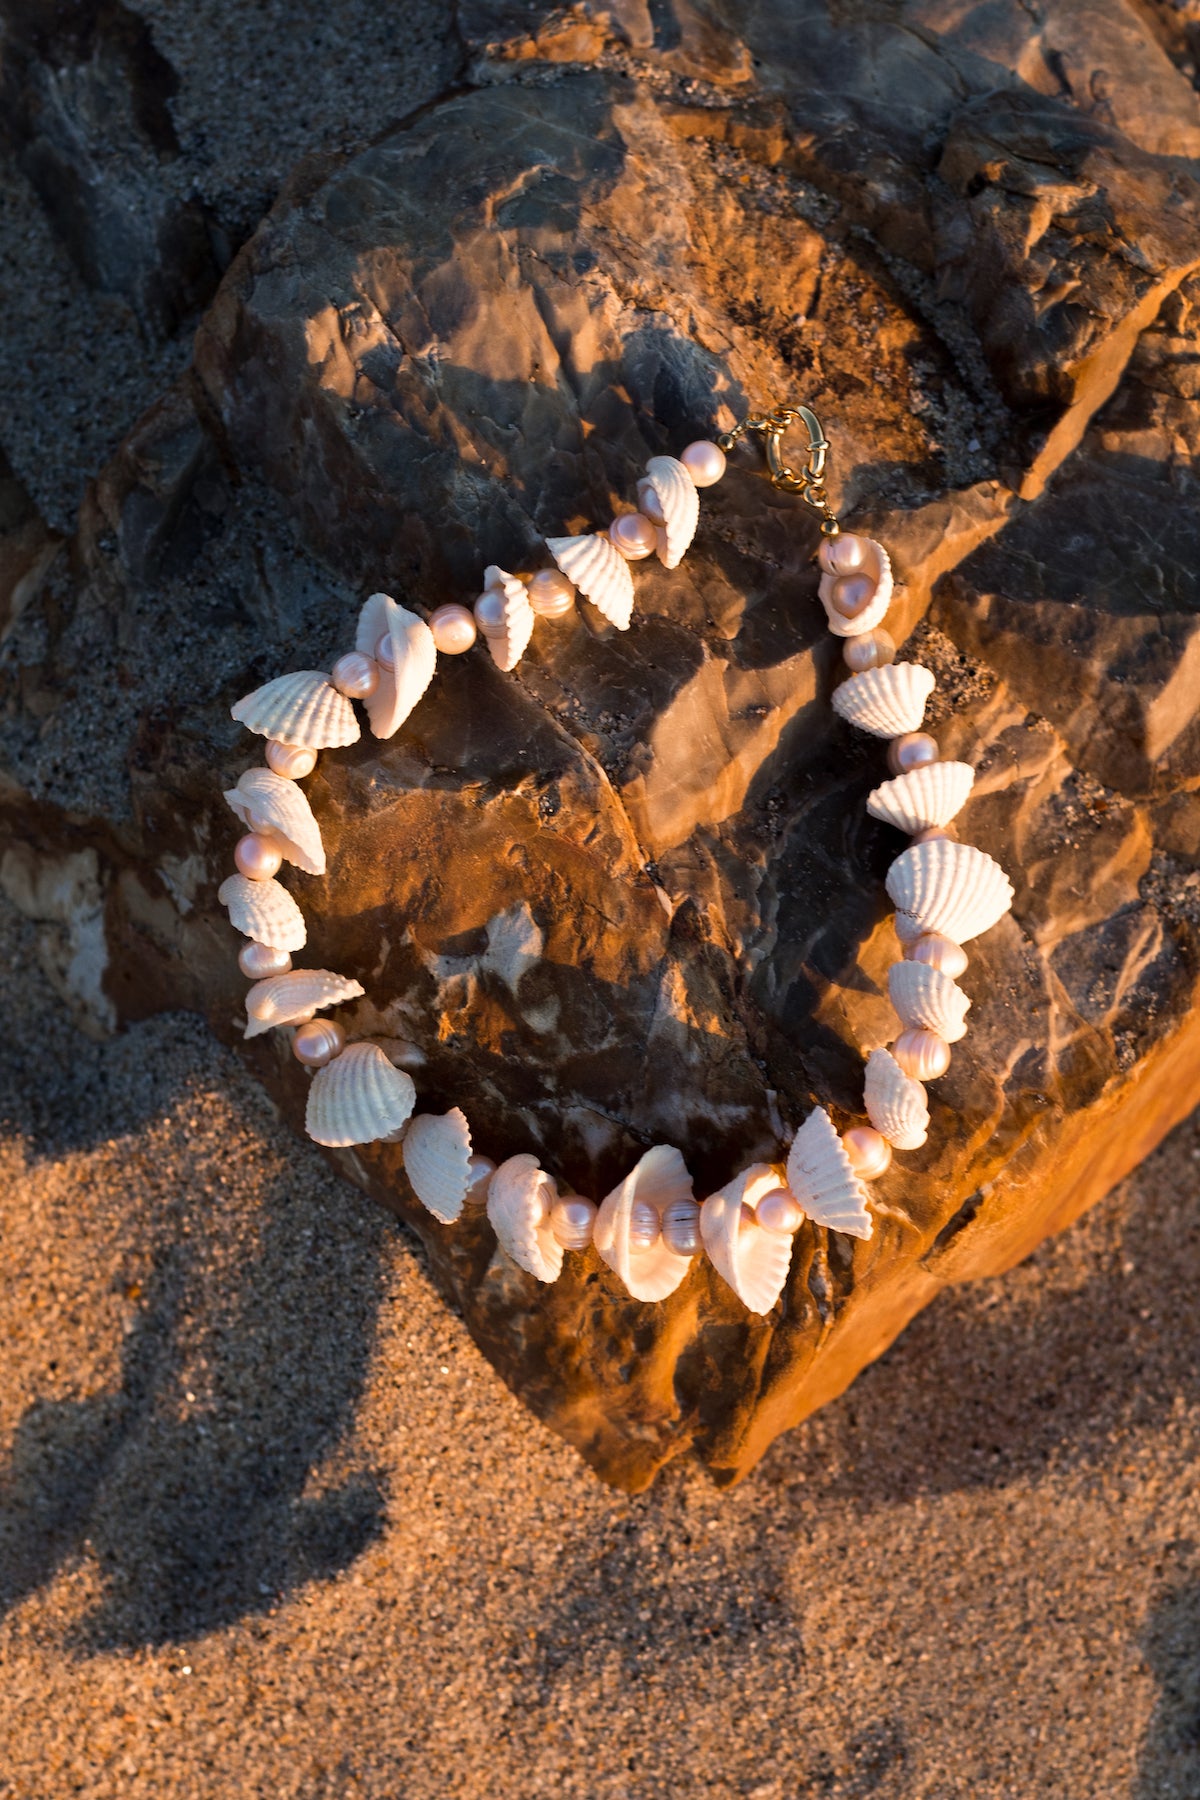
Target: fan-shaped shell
x,y
754,1262
600,573
660,1177
679,504
822,1178
292,998
303,709
437,1161
887,701
263,910
509,645
876,563
951,888
358,1098
924,797
896,1105
925,997
414,657
276,808
520,1196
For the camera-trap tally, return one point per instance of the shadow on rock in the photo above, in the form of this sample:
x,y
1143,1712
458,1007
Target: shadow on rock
x,y
1169,1762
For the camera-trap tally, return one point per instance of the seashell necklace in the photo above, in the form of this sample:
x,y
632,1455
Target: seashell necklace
x,y
944,892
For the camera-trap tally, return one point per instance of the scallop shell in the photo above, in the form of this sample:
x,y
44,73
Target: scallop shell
x,y
888,701
437,1161
263,910
822,1178
277,808
679,504
660,1177
292,998
600,573
358,1098
948,887
414,655
923,798
896,1104
509,645
520,1196
754,1262
924,996
304,709
878,564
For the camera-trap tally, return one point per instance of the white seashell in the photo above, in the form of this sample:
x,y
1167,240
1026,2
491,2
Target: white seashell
x,y
600,573
754,1262
678,503
896,1105
520,1196
923,799
876,563
509,644
303,709
947,887
292,998
414,657
279,810
264,911
437,1161
660,1178
924,996
887,701
358,1098
822,1178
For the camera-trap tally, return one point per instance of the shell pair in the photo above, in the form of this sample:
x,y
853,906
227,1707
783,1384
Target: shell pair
x,y
855,556
278,810
596,566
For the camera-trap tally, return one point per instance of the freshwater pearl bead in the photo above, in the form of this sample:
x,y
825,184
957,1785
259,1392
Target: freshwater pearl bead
x,y
681,1228
843,554
912,751
480,1169
644,1227
551,595
257,858
571,1220
489,612
868,1150
257,961
869,650
385,652
355,675
453,628
704,462
930,833
851,595
649,503
318,1042
781,1212
634,536
922,1054
290,760
939,952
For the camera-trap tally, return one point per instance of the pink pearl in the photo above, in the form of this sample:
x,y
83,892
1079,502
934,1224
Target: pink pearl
x,y
571,1220
681,1228
290,760
869,650
257,858
868,1150
912,751
644,1226
939,952
355,675
257,961
480,1170
385,652
929,834
922,1054
780,1211
634,536
453,628
851,595
649,503
551,595
704,462
489,612
843,554
318,1042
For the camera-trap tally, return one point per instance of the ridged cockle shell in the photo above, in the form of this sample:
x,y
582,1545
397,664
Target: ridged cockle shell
x,y
264,911
276,808
520,1196
896,1104
925,797
509,644
437,1161
754,1262
600,573
954,889
926,998
679,504
358,1098
660,1178
414,657
888,701
303,709
292,998
822,1177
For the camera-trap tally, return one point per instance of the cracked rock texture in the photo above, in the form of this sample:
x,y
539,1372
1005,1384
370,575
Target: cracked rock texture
x,y
630,893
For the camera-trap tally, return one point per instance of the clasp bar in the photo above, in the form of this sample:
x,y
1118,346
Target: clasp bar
x,y
808,482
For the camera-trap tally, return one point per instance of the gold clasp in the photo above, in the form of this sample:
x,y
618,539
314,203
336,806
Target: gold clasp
x,y
809,482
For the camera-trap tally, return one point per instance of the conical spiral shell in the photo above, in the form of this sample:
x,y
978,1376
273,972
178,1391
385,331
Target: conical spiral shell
x,y
878,565
754,1262
926,998
292,998
303,709
437,1161
679,504
414,657
263,910
923,798
509,644
358,1098
951,888
887,701
600,573
660,1177
822,1178
275,807
520,1196
896,1105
